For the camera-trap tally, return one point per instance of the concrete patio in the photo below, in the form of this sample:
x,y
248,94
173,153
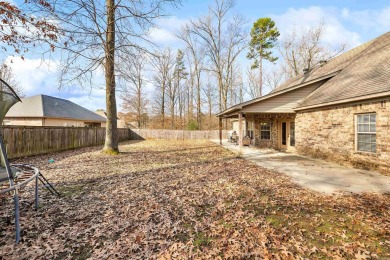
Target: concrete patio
x,y
318,175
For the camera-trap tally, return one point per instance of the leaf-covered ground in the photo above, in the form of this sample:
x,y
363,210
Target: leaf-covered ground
x,y
187,199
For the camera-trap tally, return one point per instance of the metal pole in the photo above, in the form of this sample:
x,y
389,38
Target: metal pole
x,y
36,192
48,185
240,131
17,215
11,183
220,130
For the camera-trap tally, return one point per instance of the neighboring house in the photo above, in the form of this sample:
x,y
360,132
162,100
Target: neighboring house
x,y
42,110
121,123
339,110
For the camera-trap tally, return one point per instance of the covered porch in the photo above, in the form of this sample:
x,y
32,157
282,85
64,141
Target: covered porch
x,y
270,119
265,130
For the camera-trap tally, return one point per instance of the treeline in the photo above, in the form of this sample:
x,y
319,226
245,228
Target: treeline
x,y
190,85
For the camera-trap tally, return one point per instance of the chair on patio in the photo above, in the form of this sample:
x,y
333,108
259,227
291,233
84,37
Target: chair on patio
x,y
234,138
17,175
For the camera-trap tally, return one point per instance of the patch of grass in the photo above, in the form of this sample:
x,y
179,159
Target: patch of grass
x,y
264,198
201,240
182,237
83,253
275,220
69,191
110,152
226,224
252,219
202,210
324,227
188,226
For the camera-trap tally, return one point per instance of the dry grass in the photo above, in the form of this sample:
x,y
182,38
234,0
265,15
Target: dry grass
x,y
175,199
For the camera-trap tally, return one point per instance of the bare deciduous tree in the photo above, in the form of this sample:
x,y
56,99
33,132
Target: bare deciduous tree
x,y
252,83
223,39
237,86
8,76
305,48
97,33
195,57
177,90
131,71
190,82
21,30
274,77
163,63
210,95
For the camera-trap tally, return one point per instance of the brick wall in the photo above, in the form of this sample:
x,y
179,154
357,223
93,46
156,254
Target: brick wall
x,y
23,121
274,119
330,134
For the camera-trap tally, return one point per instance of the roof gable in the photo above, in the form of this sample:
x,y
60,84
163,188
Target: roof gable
x,y
29,107
52,107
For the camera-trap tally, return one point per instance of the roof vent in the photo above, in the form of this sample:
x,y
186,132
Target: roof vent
x,y
323,62
305,70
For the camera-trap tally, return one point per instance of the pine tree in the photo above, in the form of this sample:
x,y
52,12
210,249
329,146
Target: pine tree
x,y
264,35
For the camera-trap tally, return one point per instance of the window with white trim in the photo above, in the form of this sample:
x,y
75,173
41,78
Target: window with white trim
x,y
366,132
265,131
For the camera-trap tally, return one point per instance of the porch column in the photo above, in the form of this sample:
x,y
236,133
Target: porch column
x,y
240,131
220,130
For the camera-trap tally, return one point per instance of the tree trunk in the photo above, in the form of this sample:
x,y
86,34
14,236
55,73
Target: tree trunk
x,y
172,113
180,100
220,94
111,142
261,77
190,94
210,104
139,105
198,107
163,106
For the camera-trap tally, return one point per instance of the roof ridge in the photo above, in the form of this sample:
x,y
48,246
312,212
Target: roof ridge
x,y
351,54
354,74
42,106
366,47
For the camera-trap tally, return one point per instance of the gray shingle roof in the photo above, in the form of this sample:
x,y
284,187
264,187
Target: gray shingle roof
x,y
52,107
360,72
334,65
368,73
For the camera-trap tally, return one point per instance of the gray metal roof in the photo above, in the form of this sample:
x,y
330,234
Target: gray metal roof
x,y
52,107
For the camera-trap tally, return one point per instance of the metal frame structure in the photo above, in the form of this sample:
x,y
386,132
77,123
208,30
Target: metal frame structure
x,y
24,173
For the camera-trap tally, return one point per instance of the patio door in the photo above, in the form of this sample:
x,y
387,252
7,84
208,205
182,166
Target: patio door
x,y
287,135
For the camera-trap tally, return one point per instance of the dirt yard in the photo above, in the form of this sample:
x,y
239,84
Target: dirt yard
x,y
187,199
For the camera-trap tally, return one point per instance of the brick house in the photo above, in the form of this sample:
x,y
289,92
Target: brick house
x,y
339,110
43,110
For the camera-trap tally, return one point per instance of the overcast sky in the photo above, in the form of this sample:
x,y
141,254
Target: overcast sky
x,y
349,21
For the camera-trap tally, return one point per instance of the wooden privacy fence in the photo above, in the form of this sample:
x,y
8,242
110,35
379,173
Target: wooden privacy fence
x,y
141,134
26,141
